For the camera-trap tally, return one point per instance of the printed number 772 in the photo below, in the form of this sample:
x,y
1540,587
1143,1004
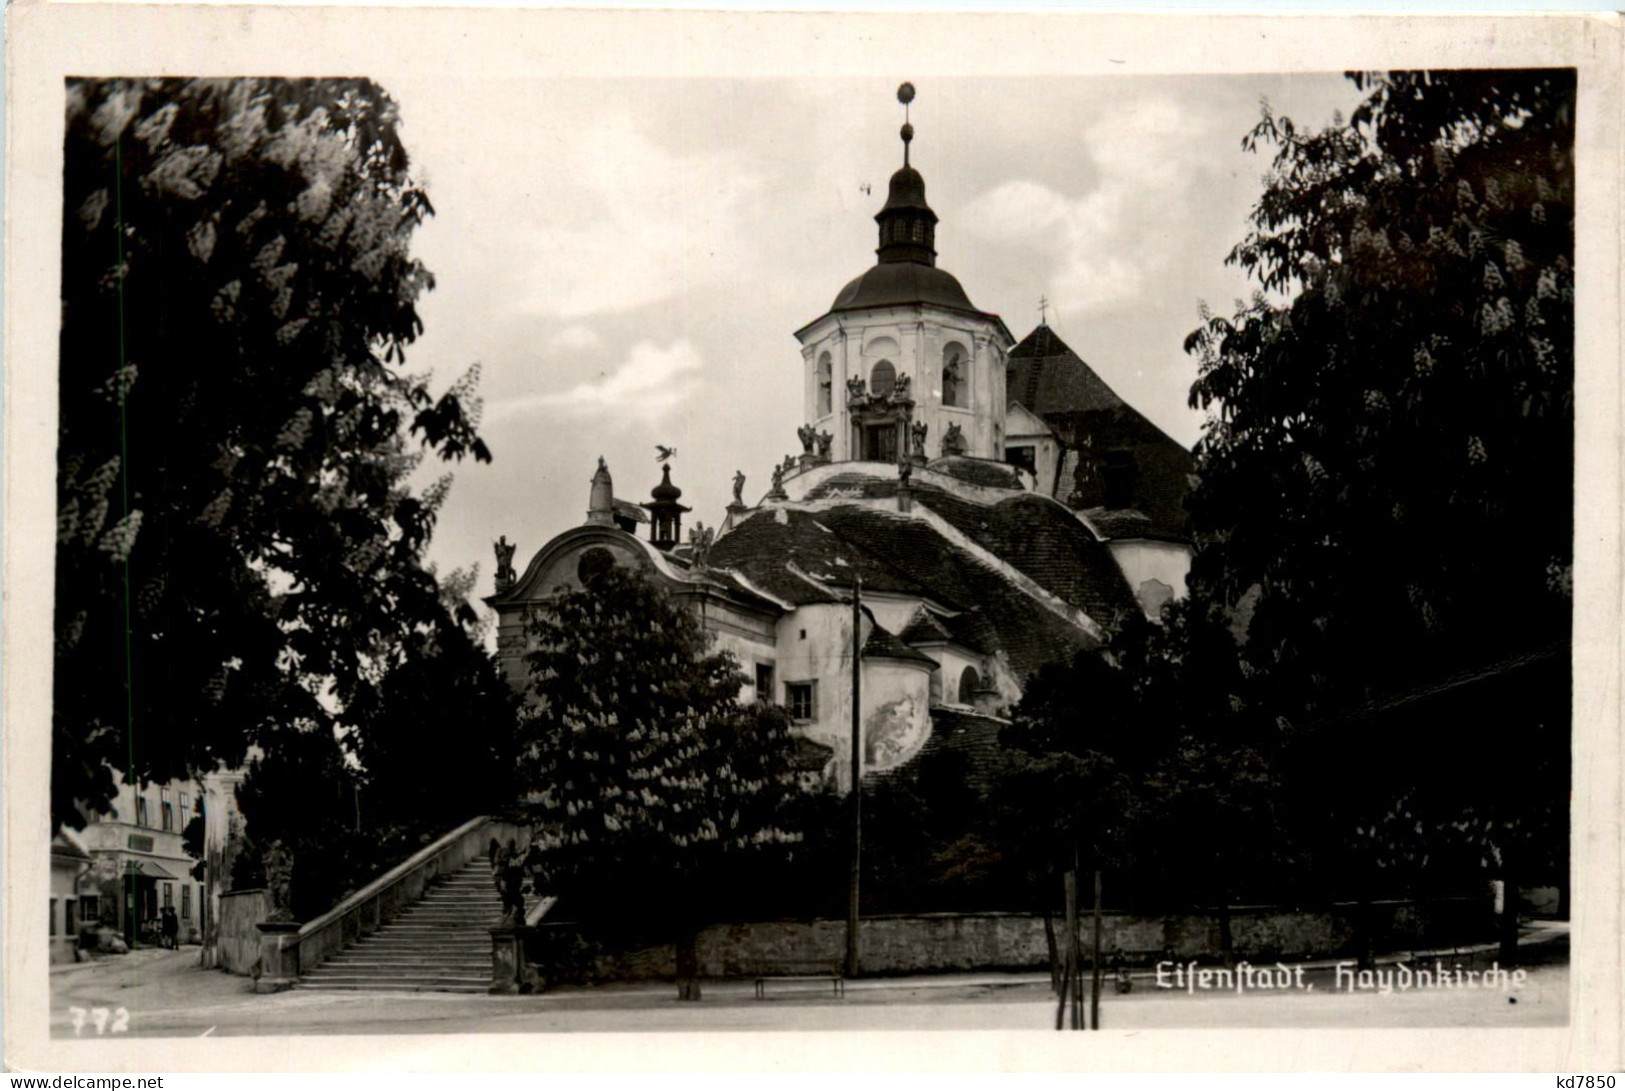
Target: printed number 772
x,y
121,1020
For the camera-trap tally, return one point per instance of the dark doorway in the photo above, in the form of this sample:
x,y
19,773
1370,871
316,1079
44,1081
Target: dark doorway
x,y
880,442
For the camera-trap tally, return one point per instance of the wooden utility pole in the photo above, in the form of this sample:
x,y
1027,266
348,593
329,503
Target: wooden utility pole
x,y
857,779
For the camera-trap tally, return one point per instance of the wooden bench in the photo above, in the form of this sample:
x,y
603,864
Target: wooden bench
x,y
801,970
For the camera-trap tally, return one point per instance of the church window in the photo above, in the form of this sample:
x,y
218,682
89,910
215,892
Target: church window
x,y
969,683
919,230
825,381
1022,455
764,681
1118,479
953,376
882,378
801,698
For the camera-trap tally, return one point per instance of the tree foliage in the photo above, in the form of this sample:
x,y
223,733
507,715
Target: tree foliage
x,y
1386,484
237,547
643,772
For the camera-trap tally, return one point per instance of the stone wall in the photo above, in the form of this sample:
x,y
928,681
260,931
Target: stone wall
x,y
949,942
237,939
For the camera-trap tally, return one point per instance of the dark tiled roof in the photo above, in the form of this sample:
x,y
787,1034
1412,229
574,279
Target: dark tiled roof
x,y
995,615
63,845
732,585
762,547
883,645
1044,375
894,283
809,756
967,739
923,628
1046,543
1052,381
625,509
979,471
1037,536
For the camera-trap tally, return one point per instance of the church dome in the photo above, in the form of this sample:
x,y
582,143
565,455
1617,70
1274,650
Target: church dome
x,y
893,283
907,190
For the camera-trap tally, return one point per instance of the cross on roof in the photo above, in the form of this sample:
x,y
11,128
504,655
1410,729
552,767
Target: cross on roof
x,y
1043,310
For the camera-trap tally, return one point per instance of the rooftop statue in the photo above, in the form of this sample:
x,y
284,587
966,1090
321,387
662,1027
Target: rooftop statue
x,y
505,573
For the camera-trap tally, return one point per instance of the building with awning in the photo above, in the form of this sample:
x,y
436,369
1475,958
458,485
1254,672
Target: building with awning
x,y
139,862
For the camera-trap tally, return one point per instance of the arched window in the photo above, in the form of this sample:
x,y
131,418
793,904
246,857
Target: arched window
x,y
953,375
969,683
881,379
919,230
825,378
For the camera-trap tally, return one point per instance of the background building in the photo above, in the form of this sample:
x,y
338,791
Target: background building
x,y
138,862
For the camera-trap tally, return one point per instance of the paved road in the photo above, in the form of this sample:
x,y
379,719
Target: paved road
x,y
166,995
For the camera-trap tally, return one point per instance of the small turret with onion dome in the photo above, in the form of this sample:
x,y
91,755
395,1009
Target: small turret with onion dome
x,y
665,513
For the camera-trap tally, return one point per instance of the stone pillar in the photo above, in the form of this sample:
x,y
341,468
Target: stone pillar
x,y
279,956
511,972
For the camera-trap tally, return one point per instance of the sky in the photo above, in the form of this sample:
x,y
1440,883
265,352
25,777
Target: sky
x,y
626,260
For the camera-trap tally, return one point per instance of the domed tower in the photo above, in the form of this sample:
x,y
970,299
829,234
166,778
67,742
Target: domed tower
x,y
665,513
902,361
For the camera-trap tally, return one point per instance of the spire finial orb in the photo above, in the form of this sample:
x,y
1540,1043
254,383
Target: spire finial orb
x,y
905,95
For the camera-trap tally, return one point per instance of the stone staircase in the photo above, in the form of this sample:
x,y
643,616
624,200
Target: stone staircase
x,y
442,943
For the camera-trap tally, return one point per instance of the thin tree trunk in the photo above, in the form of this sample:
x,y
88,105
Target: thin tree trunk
x,y
688,963
1094,993
1509,912
1363,946
1063,995
1227,939
1056,972
1071,881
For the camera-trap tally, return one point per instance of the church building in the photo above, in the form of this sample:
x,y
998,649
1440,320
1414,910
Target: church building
x,y
994,505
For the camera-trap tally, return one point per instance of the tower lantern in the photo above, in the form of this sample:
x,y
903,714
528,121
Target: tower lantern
x,y
665,513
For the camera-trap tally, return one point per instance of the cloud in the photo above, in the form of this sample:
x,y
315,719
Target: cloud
x,y
1100,249
574,338
639,224
649,384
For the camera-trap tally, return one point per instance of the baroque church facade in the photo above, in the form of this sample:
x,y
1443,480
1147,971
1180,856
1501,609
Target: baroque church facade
x,y
993,503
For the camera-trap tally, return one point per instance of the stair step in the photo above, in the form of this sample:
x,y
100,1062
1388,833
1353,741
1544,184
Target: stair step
x,y
440,943
392,973
392,987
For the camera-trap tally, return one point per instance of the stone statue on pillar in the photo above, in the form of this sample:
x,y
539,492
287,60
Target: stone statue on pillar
x,y
739,487
700,538
505,573
278,866
917,432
